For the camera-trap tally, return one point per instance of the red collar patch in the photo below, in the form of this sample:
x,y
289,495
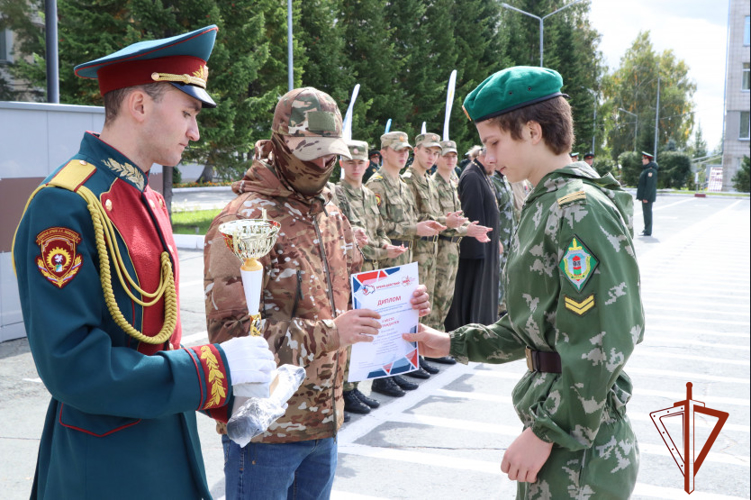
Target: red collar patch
x,y
58,262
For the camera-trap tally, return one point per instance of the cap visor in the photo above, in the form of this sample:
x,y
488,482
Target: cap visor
x,y
196,92
449,150
400,145
316,147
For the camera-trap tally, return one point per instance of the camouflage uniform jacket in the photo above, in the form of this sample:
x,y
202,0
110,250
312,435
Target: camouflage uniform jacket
x,y
505,198
397,208
448,200
306,285
361,208
425,196
591,315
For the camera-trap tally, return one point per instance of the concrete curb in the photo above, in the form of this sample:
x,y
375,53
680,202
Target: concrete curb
x,y
189,241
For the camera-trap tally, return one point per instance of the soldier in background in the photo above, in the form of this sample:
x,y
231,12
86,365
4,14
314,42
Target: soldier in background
x,y
427,151
305,302
374,164
396,206
574,156
445,182
589,158
646,190
359,205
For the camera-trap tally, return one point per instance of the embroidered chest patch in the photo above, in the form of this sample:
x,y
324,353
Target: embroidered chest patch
x,y
578,264
58,262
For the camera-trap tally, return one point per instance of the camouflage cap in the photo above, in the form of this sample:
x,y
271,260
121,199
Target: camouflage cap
x,y
395,140
428,140
358,150
448,147
313,121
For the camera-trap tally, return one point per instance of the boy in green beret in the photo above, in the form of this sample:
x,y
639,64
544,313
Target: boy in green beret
x,y
574,306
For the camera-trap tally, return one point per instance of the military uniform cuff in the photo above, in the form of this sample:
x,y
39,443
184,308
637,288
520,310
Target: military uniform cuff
x,y
331,333
458,347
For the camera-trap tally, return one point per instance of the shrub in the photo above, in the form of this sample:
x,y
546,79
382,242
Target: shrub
x,y
742,178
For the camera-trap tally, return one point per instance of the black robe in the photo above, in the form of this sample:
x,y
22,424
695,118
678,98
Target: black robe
x,y
476,290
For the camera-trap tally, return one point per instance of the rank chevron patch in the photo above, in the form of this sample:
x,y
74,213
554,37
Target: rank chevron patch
x,y
580,308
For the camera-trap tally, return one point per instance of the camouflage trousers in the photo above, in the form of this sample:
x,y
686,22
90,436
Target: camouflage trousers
x,y
447,263
425,253
606,471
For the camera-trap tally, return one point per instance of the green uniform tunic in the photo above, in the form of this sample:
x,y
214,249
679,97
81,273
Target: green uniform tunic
x,y
397,208
572,283
447,258
646,193
426,208
360,206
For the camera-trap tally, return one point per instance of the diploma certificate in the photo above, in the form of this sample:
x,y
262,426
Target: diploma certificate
x,y
388,292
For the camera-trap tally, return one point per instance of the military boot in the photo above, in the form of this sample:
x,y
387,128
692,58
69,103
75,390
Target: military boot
x,y
428,367
404,383
446,360
353,404
387,387
365,399
419,373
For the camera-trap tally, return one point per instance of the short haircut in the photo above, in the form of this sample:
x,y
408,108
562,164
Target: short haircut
x,y
554,117
474,152
114,98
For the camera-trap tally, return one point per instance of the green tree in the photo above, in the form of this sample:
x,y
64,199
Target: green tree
x,y
742,178
675,170
633,87
631,167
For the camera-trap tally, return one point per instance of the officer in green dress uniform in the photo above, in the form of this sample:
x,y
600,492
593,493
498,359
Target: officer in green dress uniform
x,y
574,156
373,166
574,305
646,190
121,423
589,158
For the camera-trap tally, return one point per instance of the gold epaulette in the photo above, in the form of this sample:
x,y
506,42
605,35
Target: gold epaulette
x,y
72,175
571,197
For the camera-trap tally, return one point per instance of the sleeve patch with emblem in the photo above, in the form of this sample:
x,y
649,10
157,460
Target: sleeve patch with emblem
x,y
580,308
578,264
378,199
58,261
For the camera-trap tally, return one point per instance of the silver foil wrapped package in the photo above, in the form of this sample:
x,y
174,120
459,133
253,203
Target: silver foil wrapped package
x,y
257,414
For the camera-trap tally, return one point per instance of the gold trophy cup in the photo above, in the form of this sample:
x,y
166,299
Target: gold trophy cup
x,y
251,239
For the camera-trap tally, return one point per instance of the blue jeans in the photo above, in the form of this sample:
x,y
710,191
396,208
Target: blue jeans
x,y
303,470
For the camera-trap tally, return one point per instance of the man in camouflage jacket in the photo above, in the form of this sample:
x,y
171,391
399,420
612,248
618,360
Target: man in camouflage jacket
x,y
305,297
574,305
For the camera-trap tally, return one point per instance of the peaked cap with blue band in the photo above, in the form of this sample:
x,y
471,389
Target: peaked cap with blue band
x,y
179,60
511,89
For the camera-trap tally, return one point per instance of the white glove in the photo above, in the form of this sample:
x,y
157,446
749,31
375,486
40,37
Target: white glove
x,y
250,360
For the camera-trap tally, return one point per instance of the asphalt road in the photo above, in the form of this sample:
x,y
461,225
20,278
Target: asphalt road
x,y
446,440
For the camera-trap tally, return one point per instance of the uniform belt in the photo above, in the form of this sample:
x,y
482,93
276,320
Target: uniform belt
x,y
543,362
430,238
452,239
406,243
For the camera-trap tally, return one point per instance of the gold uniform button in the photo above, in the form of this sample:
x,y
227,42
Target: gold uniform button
x,y
82,162
108,205
151,202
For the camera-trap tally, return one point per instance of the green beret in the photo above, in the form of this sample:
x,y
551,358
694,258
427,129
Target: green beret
x,y
511,89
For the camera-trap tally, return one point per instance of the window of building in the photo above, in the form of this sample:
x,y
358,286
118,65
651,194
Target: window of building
x,y
745,131
747,32
745,83
4,56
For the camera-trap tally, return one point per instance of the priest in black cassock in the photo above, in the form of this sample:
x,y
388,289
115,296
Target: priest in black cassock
x,y
476,290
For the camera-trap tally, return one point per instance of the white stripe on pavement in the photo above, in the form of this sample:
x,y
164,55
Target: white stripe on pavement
x,y
647,490
649,340
677,396
669,328
630,371
650,307
667,292
654,353
663,207
701,320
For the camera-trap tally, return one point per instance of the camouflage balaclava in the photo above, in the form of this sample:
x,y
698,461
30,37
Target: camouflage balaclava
x,y
311,120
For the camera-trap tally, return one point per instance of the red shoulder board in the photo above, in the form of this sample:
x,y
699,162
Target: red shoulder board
x,y
59,262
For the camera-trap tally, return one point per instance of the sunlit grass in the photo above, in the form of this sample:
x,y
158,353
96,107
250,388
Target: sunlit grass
x,y
195,222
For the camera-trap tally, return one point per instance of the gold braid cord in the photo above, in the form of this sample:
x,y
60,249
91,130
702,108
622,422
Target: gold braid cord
x,y
106,240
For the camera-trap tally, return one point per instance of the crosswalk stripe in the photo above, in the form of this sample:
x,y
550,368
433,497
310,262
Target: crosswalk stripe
x,y
653,352
651,339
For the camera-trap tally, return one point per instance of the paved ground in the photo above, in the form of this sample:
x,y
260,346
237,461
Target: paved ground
x,y
445,440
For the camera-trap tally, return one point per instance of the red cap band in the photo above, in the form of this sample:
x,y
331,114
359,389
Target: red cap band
x,y
138,72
